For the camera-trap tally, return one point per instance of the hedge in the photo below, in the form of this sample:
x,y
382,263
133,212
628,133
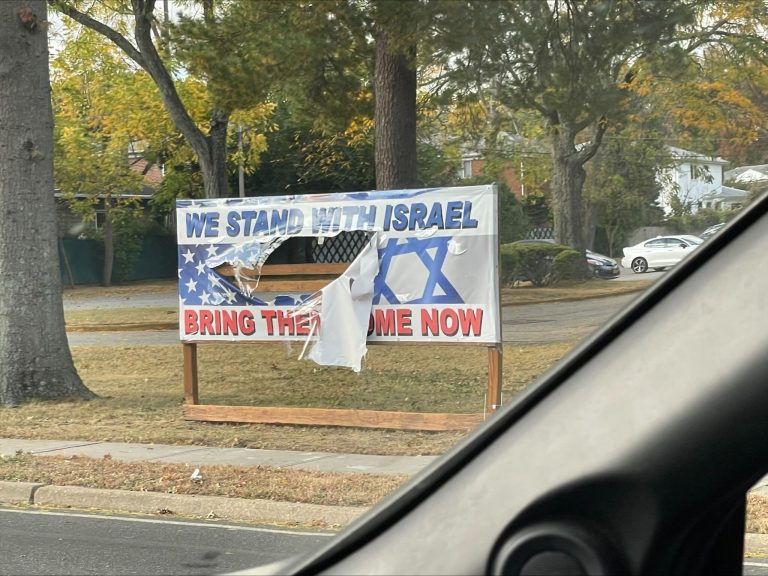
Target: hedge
x,y
540,264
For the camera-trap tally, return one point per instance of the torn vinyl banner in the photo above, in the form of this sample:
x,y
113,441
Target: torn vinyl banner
x,y
426,269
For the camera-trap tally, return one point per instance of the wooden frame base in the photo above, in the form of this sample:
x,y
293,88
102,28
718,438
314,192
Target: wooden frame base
x,y
428,421
433,422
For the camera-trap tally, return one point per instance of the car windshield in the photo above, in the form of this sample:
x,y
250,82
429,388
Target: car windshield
x,y
257,282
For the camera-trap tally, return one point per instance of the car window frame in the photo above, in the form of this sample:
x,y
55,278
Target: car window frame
x,y
432,479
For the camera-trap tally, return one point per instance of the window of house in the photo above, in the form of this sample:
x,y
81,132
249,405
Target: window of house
x,y
466,169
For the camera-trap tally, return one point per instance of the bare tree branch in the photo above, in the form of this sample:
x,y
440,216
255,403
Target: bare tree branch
x,y
591,148
106,31
143,10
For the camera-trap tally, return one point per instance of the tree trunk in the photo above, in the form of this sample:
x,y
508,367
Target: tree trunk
x,y
611,232
394,116
36,362
590,225
568,177
216,175
109,246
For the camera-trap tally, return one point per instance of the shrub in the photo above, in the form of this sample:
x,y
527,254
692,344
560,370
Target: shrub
x,y
541,264
529,262
569,265
508,265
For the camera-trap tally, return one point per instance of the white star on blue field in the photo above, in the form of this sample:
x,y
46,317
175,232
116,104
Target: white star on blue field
x,y
200,284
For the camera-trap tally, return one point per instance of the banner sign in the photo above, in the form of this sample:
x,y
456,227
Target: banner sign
x,y
429,272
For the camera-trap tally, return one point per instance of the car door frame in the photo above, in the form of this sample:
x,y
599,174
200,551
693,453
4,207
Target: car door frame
x,y
652,485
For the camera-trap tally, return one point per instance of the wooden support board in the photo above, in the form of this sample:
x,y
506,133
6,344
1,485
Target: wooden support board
x,y
429,421
436,422
495,379
287,277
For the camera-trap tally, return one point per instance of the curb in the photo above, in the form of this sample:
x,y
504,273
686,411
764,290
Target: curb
x,y
219,507
133,327
574,298
18,492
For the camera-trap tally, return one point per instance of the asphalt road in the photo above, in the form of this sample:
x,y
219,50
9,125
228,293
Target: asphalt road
x,y
628,275
755,567
529,324
61,543
37,542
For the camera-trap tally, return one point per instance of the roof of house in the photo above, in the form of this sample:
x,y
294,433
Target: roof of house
x,y
503,139
748,173
688,155
59,195
727,194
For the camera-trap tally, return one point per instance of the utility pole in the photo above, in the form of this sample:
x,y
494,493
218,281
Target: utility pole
x,y
240,170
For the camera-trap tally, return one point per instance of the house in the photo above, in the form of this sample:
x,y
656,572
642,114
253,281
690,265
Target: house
x,y
726,198
748,174
473,161
690,178
70,224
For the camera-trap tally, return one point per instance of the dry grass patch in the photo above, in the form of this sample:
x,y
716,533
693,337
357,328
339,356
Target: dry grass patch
x,y
263,482
122,316
527,294
80,292
757,514
141,395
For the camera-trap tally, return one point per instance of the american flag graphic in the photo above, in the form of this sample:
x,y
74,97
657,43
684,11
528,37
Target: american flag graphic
x,y
200,284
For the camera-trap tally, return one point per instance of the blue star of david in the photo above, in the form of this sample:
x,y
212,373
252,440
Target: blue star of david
x,y
434,264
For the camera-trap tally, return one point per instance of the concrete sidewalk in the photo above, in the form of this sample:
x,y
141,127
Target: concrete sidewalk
x,y
206,456
212,507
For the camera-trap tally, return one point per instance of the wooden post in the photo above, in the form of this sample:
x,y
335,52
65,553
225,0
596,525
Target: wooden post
x,y
493,397
190,373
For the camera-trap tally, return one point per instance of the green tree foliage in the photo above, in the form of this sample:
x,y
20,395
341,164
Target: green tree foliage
x,y
716,104
322,57
687,223
541,264
93,139
622,187
133,26
572,62
302,158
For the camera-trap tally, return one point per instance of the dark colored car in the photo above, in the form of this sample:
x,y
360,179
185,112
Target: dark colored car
x,y
601,266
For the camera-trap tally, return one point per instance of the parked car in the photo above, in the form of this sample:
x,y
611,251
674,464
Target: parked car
x,y
601,266
659,253
711,231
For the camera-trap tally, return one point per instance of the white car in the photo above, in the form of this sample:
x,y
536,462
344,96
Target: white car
x,y
659,253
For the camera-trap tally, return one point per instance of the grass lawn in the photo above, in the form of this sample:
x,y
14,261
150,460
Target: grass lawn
x,y
287,485
334,489
141,393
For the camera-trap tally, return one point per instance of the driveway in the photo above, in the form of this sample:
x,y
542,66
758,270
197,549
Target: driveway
x,y
627,275
558,321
